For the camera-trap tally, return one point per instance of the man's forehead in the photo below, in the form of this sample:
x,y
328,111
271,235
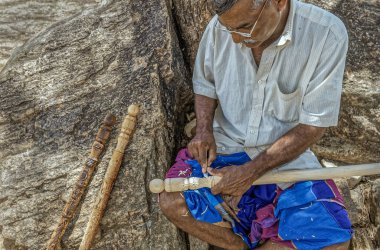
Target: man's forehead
x,y
241,12
240,7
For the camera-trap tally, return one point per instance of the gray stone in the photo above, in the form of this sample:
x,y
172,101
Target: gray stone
x,y
191,18
362,204
197,244
21,20
353,181
328,164
357,137
83,59
375,210
55,91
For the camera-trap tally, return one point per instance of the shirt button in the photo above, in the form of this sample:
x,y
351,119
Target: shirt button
x,y
223,148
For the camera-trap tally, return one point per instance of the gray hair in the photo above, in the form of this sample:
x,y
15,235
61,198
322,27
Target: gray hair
x,y
221,6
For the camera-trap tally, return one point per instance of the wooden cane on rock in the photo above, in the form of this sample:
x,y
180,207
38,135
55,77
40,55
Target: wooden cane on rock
x,y
109,178
182,184
88,168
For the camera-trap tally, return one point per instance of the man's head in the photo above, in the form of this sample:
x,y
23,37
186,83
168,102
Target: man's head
x,y
252,22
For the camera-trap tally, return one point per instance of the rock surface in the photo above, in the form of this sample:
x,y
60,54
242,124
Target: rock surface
x,y
55,91
357,137
20,20
362,203
191,18
85,59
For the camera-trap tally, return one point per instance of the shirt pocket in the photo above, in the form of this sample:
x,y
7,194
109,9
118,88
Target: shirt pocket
x,y
285,107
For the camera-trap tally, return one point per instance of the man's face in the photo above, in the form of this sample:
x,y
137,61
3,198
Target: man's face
x,y
244,15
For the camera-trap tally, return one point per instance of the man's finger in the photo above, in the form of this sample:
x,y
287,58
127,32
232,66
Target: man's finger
x,y
214,171
211,155
190,151
202,150
217,189
191,148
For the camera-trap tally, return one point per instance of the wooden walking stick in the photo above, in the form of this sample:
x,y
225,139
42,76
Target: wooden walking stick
x,y
88,168
109,178
182,184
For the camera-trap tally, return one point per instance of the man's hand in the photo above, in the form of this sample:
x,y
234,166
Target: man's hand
x,y
203,148
236,180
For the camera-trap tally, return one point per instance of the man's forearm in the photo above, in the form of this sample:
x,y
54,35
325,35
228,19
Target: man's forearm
x,y
204,110
287,148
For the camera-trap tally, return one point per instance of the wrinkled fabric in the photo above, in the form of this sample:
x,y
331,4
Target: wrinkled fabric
x,y
255,198
180,168
312,215
202,203
308,215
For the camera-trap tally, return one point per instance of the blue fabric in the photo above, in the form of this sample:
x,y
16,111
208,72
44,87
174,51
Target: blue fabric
x,y
200,207
255,198
202,202
302,193
307,215
310,226
308,222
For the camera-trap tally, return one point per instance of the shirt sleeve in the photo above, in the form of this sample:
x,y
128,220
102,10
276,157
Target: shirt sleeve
x,y
203,75
321,101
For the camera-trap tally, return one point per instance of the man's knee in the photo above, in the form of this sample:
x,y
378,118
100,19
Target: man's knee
x,y
173,205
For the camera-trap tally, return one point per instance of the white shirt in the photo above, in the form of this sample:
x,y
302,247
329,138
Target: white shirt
x,y
299,80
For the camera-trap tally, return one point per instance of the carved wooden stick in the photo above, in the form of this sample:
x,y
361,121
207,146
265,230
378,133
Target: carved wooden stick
x,y
88,168
109,178
182,184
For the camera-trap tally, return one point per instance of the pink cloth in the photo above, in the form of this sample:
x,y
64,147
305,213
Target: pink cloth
x,y
265,227
180,168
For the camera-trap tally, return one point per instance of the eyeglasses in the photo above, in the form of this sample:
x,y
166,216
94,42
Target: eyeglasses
x,y
243,34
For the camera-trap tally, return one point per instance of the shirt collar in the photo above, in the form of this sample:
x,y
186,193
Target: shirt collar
x,y
288,31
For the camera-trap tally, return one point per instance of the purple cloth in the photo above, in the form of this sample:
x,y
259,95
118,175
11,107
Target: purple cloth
x,y
180,168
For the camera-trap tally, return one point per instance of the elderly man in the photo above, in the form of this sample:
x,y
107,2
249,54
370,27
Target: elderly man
x,y
267,82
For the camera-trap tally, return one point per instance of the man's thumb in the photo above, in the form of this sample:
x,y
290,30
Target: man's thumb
x,y
216,172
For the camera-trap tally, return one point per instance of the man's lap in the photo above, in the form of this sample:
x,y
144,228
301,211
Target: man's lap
x,y
308,215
